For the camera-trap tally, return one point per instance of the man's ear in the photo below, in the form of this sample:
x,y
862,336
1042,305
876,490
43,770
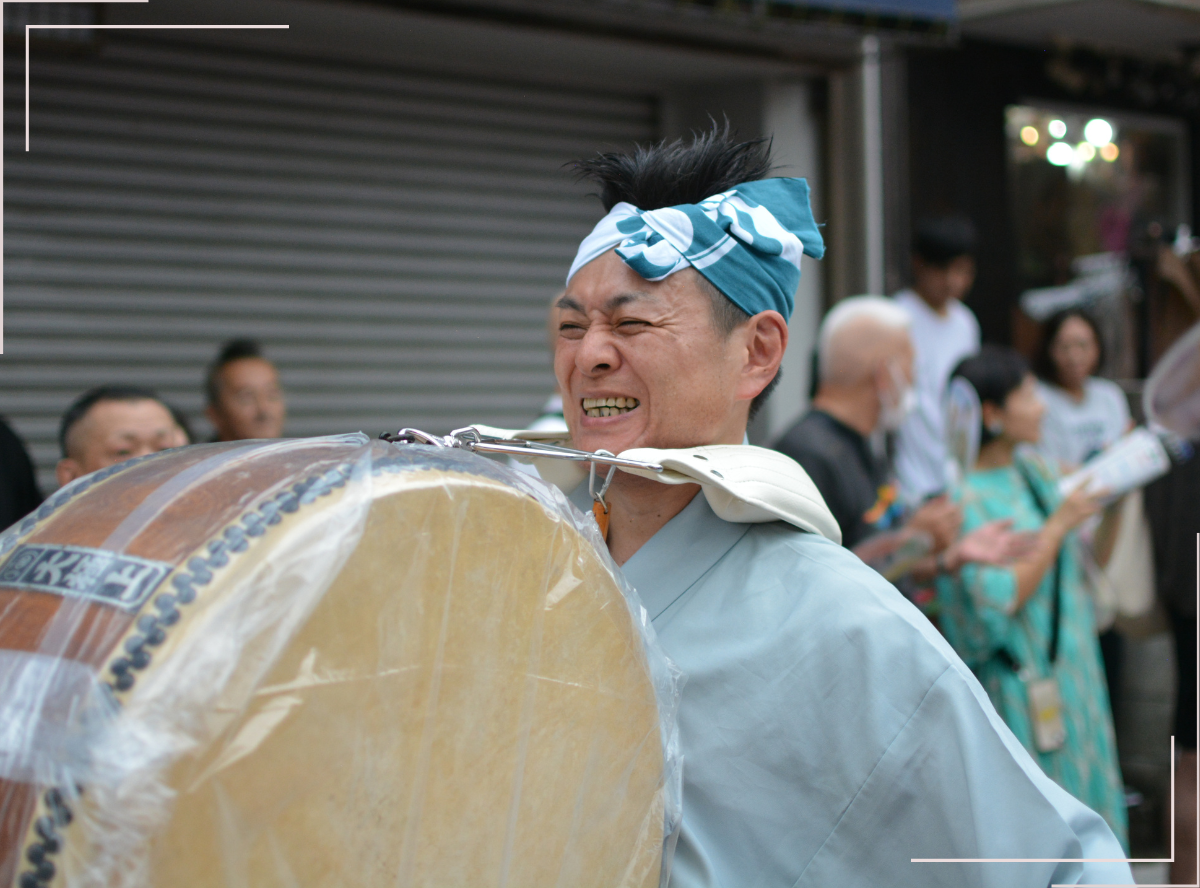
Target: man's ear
x,y
765,340
880,378
67,471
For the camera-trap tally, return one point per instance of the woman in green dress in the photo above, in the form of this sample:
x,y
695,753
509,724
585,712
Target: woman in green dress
x,y
1001,620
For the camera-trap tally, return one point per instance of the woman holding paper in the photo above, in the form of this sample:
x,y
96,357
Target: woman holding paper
x,y
1084,416
1027,629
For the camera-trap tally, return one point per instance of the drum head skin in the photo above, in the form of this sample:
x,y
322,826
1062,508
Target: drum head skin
x,y
406,667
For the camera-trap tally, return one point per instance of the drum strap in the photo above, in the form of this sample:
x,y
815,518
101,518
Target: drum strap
x,y
742,484
600,513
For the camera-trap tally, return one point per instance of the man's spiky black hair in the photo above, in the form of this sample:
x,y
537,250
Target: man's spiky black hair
x,y
666,174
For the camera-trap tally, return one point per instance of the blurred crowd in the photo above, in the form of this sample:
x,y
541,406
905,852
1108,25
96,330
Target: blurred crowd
x,y
111,423
1018,576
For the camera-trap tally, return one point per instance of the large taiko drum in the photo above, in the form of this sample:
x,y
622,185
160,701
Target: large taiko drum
x,y
322,662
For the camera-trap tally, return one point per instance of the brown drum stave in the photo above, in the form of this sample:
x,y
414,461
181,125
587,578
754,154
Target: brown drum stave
x,y
321,662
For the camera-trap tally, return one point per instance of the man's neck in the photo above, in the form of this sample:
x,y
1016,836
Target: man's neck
x,y
854,406
940,309
638,509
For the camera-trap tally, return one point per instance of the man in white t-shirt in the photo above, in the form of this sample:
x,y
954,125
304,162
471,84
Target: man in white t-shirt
x,y
943,331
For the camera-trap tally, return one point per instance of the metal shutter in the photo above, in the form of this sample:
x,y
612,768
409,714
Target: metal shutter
x,y
393,238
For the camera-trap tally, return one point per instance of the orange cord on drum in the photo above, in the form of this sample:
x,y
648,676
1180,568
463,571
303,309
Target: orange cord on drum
x,y
601,515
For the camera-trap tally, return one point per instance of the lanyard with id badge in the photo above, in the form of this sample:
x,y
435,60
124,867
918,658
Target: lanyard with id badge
x,y
1045,699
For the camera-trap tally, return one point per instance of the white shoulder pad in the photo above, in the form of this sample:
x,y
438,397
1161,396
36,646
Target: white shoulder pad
x,y
745,484
742,483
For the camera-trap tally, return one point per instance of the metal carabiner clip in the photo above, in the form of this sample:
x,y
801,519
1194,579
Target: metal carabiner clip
x,y
598,495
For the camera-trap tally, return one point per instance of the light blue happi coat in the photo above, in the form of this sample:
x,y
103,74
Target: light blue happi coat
x,y
829,734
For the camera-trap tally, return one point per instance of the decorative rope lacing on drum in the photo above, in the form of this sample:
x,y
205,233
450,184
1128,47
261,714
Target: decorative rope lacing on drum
x,y
200,569
22,529
151,628
58,813
39,853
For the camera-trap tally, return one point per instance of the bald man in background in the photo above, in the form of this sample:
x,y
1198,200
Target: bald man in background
x,y
865,360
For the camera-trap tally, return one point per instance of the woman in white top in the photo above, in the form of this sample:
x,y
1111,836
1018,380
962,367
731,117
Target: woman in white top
x,y
1084,414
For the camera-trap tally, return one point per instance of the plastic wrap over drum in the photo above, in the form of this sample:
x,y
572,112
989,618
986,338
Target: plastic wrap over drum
x,y
327,662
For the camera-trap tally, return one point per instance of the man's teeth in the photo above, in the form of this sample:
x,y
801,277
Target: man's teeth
x,y
608,406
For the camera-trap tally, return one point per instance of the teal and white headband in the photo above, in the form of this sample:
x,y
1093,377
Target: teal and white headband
x,y
746,241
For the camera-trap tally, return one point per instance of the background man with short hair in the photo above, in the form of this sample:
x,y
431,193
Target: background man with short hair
x,y
943,331
111,424
245,399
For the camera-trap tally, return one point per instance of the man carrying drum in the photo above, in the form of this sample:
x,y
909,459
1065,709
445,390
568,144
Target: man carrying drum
x,y
829,734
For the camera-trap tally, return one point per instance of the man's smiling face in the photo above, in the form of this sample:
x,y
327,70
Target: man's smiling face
x,y
655,345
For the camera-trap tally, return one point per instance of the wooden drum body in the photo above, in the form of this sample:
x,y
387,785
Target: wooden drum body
x,y
324,662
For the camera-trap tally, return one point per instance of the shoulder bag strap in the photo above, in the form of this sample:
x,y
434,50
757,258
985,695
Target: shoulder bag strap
x,y
1056,607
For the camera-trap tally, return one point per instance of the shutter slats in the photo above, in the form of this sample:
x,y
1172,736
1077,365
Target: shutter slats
x,y
393,238
432,239
186,95
27,271
447,88
471,126
259,187
120,254
149,209
180,134
87,323
486,313
441,173
93,352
